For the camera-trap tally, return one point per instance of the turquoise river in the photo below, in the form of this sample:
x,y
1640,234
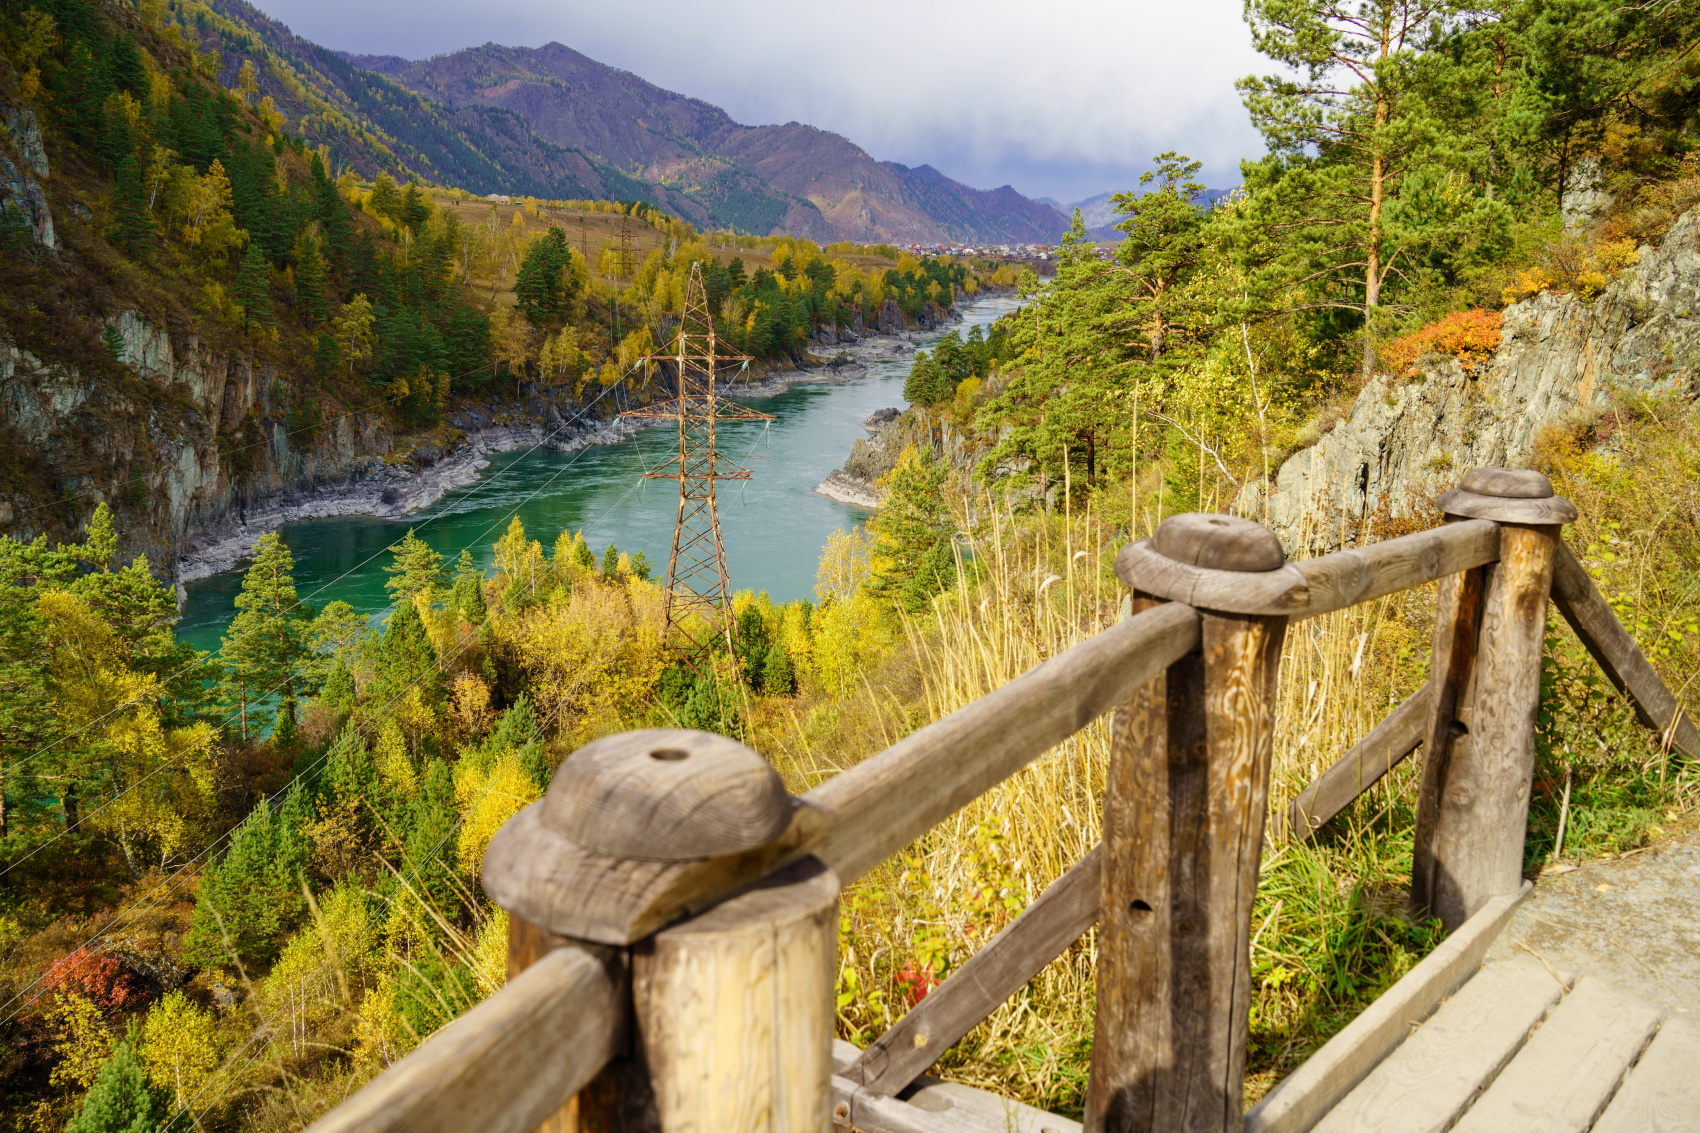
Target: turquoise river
x,y
774,525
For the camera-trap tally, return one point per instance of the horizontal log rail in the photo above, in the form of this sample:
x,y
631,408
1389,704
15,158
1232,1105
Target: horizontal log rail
x,y
508,1063
600,1035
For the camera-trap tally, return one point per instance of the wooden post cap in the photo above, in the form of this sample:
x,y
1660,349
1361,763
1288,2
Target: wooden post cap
x,y
1511,483
1218,542
1506,495
666,795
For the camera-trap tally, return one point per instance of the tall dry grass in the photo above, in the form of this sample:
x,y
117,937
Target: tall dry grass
x,y
1028,588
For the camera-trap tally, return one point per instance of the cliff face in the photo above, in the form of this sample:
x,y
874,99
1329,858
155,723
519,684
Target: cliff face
x,y
1405,440
18,188
151,447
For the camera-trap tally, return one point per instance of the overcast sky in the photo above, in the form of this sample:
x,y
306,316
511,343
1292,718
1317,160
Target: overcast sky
x,y
1065,99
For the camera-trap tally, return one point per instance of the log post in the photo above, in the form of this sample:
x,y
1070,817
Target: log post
x,y
1183,838
1479,751
729,1014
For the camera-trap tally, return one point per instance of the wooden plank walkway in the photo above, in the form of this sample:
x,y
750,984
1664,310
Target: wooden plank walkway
x,y
1584,1017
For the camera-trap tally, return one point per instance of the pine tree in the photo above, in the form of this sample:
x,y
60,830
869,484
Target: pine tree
x,y
332,213
338,693
350,772
913,529
545,286
385,200
582,556
326,356
778,677
415,569
415,208
928,383
429,827
117,137
121,1100
252,290
132,223
310,282
268,637
405,657
750,643
515,729
113,339
17,237
610,561
252,894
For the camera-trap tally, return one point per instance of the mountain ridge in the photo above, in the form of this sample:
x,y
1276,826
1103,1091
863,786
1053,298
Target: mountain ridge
x,y
673,139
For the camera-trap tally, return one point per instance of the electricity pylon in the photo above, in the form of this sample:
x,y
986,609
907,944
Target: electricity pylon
x,y
699,602
625,264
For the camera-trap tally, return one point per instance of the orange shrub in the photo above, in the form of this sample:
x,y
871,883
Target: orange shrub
x,y
1469,336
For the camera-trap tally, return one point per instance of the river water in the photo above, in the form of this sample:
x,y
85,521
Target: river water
x,y
774,525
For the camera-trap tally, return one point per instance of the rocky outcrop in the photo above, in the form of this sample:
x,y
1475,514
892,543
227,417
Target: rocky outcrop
x,y
198,454
18,190
894,432
847,489
1404,440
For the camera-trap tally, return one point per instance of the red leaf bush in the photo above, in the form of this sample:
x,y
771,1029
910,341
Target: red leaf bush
x,y
1469,336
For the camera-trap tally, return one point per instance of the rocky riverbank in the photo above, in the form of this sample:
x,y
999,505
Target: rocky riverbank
x,y
385,489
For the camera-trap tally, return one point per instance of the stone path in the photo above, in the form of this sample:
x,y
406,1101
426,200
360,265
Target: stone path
x,y
1633,922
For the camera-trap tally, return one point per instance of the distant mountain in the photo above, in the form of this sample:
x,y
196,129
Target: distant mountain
x,y
759,178
1101,217
551,122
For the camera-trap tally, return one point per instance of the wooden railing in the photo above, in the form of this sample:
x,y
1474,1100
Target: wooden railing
x,y
673,911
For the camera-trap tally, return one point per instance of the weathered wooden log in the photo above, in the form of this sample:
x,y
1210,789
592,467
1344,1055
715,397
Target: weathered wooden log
x,y
1622,661
508,1064
1479,760
1314,586
1183,835
727,1017
997,971
1361,768
734,1009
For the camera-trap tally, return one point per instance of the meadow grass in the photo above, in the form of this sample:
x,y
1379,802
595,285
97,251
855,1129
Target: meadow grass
x,y
1330,931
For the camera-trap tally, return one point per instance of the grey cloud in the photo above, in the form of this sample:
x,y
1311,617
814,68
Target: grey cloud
x,y
1065,99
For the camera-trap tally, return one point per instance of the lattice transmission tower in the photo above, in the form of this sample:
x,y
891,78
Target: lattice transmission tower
x,y
699,602
625,264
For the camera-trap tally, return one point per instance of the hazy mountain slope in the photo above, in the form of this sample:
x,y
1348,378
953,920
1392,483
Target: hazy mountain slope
x,y
862,199
572,100
373,123
999,215
654,134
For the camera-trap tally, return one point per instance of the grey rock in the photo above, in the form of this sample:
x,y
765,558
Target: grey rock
x,y
426,454
849,490
19,192
1405,440
880,418
24,132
